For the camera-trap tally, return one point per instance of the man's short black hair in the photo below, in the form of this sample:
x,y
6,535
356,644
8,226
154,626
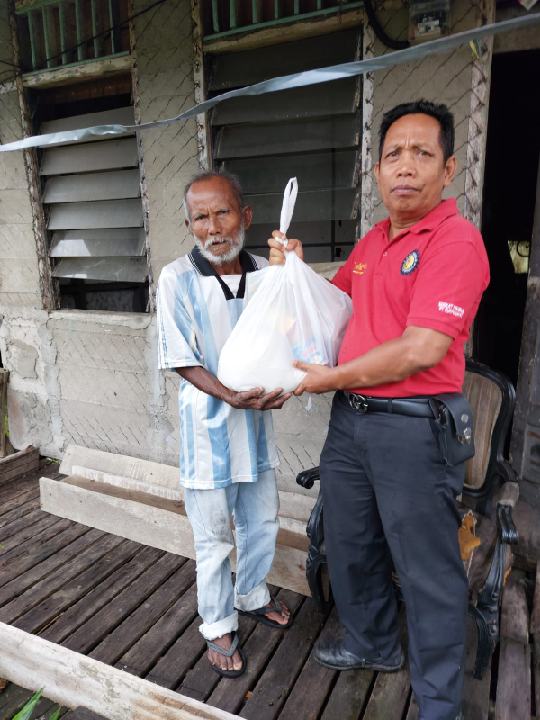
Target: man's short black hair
x,y
231,179
440,112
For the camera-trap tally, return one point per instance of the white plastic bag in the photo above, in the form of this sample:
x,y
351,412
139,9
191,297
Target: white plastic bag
x,y
294,315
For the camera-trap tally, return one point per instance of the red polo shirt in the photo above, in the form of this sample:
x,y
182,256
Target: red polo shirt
x,y
431,275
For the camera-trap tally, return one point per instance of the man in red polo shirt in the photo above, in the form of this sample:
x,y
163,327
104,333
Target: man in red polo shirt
x,y
388,482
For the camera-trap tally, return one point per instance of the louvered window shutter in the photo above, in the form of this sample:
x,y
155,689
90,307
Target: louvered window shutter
x,y
92,197
312,133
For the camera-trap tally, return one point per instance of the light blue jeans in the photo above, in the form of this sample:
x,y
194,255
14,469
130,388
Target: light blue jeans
x,y
254,508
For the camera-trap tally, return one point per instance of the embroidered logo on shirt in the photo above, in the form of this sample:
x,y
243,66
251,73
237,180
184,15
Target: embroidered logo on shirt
x,y
451,309
410,262
360,268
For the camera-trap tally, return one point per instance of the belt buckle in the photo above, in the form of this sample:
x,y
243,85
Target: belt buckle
x,y
358,402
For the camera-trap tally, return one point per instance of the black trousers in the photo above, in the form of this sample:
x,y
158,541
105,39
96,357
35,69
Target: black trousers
x,y
389,497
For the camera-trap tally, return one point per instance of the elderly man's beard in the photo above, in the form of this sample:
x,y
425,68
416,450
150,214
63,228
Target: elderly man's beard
x,y
236,244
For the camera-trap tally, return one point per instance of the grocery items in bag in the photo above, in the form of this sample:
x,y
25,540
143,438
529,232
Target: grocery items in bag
x,y
294,315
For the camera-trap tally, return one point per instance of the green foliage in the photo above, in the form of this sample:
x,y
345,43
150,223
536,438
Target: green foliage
x,y
28,709
26,712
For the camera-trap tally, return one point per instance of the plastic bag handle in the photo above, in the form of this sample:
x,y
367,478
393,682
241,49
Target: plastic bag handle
x,y
289,199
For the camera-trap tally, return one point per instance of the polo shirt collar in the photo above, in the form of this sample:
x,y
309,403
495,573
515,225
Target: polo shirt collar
x,y
444,210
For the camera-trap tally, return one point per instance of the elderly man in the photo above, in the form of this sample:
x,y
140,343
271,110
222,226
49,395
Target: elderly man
x,y
389,477
227,450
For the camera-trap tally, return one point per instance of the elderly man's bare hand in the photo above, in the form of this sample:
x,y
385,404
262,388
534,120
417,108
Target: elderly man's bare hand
x,y
257,399
277,249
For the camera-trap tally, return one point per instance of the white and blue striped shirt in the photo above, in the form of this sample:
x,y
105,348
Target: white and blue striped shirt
x,y
219,444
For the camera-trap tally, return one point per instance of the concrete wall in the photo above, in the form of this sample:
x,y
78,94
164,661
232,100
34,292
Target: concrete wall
x,y
21,317
90,378
442,78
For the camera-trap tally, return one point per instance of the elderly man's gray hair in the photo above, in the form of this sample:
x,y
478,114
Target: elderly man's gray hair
x,y
232,180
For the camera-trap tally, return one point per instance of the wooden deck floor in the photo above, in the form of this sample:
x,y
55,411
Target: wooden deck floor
x,y
134,607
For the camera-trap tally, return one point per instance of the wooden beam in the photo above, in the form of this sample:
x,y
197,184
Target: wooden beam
x,y
19,463
81,71
158,522
73,680
514,682
284,33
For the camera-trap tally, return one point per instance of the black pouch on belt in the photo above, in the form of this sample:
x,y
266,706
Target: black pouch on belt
x,y
454,424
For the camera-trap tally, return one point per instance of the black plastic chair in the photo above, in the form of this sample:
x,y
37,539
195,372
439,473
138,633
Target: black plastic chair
x,y
490,482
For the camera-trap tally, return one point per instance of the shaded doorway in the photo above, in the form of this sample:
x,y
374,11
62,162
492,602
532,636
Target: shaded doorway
x,y
509,196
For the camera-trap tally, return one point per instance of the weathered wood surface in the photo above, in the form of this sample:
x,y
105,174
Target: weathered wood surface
x,y
72,679
18,463
514,683
133,608
155,520
535,637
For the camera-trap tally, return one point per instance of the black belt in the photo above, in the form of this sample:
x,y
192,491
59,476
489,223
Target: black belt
x,y
414,407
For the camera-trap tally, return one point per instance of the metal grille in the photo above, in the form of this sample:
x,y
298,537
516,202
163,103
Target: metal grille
x,y
226,17
55,33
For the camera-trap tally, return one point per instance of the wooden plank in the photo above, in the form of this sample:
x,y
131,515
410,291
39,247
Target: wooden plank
x,y
270,693
476,693
413,711
349,695
535,632
160,523
237,141
21,505
150,647
338,98
513,699
73,541
73,680
15,697
68,594
13,488
86,556
388,697
536,669
172,667
201,680
18,463
312,686
122,638
104,593
24,528
46,543
75,73
230,695
81,713
103,155
93,630
92,186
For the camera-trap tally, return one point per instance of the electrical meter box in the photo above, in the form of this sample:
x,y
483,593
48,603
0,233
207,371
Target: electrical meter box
x,y
428,19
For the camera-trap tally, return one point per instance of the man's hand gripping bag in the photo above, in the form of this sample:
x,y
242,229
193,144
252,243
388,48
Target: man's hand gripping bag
x,y
294,315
